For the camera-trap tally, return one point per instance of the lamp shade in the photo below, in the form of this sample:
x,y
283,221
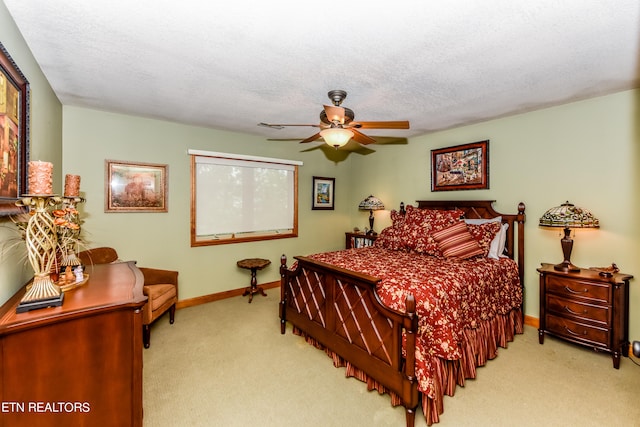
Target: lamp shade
x,y
569,216
371,203
336,137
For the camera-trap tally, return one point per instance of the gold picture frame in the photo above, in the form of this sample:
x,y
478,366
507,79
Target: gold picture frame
x,y
135,187
14,134
462,167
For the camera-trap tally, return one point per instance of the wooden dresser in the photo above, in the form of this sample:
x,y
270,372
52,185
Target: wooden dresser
x,y
79,364
586,308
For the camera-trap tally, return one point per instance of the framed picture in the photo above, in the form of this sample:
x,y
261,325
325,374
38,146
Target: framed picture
x,y
14,134
462,167
323,193
135,187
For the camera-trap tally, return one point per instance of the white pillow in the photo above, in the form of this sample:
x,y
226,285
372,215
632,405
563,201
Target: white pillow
x,y
502,239
496,249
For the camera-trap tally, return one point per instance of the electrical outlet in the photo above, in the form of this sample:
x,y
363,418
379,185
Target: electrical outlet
x,y
636,348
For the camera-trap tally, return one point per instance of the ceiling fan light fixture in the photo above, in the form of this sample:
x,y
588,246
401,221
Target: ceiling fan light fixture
x,y
336,137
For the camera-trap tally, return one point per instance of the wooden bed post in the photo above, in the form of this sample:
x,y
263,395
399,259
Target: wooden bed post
x,y
283,292
520,219
410,386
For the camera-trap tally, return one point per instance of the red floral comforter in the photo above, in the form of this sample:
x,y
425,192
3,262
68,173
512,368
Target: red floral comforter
x,y
451,294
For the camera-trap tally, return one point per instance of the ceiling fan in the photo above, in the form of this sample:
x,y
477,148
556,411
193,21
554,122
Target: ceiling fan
x,y
338,126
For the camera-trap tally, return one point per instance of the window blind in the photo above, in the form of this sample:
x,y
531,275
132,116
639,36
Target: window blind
x,y
240,198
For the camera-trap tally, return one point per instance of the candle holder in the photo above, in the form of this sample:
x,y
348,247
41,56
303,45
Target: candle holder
x,y
42,245
67,221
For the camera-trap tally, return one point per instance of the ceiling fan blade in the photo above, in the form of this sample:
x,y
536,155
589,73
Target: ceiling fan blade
x,y
311,138
390,140
361,138
282,125
400,124
334,113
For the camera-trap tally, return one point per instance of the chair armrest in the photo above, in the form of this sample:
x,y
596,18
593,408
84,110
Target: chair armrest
x,y
154,276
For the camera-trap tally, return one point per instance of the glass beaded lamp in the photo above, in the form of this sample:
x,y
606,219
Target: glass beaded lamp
x,y
568,216
371,204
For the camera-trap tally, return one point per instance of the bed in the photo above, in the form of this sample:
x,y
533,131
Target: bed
x,y
418,323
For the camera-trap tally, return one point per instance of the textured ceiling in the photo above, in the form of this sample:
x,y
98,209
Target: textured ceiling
x,y
230,65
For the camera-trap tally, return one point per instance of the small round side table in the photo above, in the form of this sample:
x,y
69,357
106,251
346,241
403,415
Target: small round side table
x,y
253,264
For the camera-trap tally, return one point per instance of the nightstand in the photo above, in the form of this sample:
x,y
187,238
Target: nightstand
x,y
586,308
359,240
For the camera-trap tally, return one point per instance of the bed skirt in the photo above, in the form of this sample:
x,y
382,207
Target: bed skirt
x,y
478,346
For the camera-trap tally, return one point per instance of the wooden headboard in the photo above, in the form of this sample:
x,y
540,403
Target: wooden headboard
x,y
484,209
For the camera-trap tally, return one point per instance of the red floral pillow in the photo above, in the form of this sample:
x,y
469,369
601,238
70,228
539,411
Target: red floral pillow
x,y
438,220
434,220
391,237
397,218
484,234
457,242
412,231
412,227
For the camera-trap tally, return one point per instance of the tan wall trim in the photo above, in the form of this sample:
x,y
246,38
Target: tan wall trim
x,y
532,321
220,295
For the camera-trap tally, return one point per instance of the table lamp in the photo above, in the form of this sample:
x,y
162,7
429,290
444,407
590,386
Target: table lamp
x,y
371,204
568,216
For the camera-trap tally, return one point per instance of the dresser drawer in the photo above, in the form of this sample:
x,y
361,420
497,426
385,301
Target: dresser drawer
x,y
572,308
577,331
578,289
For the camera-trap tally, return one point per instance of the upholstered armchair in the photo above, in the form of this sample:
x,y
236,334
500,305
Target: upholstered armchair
x,y
160,287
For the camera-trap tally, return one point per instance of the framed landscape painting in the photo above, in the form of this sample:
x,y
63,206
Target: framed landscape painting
x,y
323,193
461,167
135,187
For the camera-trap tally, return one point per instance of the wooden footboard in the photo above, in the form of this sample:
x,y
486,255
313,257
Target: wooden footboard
x,y
340,310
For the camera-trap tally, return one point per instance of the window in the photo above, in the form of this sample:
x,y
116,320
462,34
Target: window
x,y
236,198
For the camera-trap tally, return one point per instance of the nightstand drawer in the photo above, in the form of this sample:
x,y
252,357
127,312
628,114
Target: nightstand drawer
x,y
571,308
577,331
578,289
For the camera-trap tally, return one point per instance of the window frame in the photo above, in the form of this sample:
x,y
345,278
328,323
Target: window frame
x,y
245,236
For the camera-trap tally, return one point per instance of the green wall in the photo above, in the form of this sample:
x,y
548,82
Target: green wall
x,y
46,145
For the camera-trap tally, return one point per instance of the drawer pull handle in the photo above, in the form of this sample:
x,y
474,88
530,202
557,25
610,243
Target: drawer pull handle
x,y
567,309
575,333
568,289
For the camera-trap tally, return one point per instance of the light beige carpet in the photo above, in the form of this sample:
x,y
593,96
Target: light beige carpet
x,y
226,364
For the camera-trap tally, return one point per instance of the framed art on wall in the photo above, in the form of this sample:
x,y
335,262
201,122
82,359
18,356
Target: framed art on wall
x,y
461,167
14,134
135,187
323,193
